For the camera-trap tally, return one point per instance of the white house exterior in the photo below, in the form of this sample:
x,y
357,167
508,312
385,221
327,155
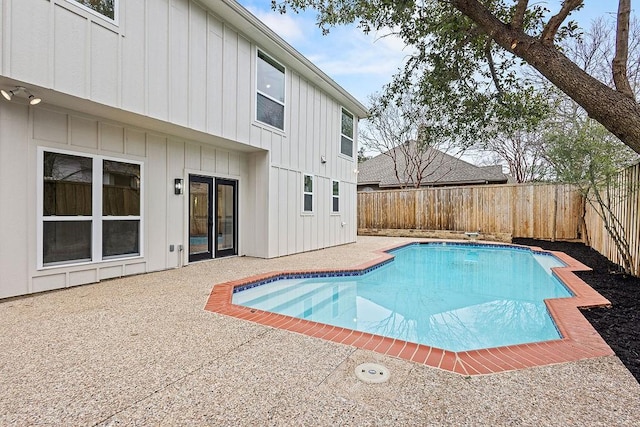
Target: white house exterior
x,y
147,97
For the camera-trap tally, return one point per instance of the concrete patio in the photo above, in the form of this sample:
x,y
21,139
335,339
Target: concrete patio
x,y
142,351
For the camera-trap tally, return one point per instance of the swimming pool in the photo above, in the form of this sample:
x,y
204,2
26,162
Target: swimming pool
x,y
457,297
579,339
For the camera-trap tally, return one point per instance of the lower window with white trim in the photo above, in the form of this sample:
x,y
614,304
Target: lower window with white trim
x,y
89,208
335,196
307,194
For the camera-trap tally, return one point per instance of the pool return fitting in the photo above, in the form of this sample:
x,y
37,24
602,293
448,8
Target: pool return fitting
x,y
372,373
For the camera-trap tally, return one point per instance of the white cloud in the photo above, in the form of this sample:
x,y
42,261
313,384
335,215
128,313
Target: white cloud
x,y
285,25
351,52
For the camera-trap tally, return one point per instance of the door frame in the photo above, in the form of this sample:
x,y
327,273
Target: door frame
x,y
234,248
209,254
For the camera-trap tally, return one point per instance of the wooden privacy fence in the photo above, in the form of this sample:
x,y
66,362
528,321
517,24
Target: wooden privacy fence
x,y
541,211
74,198
625,205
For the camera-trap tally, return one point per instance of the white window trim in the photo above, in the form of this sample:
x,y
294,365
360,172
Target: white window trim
x,y
352,138
96,209
116,11
304,193
333,196
258,91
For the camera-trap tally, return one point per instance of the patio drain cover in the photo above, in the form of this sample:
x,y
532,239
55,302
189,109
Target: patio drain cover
x,y
372,373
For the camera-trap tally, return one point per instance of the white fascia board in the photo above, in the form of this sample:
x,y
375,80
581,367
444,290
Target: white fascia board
x,y
248,25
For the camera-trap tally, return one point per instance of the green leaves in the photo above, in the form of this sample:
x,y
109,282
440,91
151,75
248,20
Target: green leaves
x,y
586,154
471,87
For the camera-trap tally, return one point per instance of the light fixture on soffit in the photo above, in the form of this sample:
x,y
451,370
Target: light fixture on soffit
x,y
9,94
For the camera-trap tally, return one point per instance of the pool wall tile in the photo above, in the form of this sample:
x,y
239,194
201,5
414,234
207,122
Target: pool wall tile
x,y
579,339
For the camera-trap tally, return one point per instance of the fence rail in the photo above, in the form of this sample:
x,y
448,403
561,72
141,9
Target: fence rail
x,y
542,211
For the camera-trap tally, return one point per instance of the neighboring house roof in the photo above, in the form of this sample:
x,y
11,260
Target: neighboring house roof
x,y
440,169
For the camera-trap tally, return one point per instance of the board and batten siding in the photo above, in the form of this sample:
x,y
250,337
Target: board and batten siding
x,y
171,60
172,85
313,132
24,130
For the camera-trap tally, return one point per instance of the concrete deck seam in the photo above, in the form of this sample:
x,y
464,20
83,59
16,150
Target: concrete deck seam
x,y
338,365
188,374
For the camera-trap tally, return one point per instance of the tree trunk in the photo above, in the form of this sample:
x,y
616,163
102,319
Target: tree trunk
x,y
617,112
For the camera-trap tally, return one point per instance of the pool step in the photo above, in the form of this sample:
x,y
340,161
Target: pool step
x,y
300,300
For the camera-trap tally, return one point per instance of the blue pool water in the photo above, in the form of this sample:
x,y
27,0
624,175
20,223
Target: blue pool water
x,y
454,297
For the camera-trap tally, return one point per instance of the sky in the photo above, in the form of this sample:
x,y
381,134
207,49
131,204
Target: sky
x,y
363,64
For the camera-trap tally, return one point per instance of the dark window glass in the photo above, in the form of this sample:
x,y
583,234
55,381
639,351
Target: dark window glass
x,y
270,112
347,124
308,193
103,7
308,184
308,202
336,196
67,185
66,241
346,146
120,189
120,238
336,204
346,129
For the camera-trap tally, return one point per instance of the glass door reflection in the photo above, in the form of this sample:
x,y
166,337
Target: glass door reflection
x,y
226,221
200,218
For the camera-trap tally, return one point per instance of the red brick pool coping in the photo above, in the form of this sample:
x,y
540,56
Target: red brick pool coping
x,y
580,340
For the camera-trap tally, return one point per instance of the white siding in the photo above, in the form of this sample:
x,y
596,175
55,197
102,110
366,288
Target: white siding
x,y
14,190
133,89
313,131
168,59
181,65
23,129
157,200
156,52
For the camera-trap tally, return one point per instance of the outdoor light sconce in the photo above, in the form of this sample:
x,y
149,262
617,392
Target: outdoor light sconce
x,y
33,100
178,186
323,159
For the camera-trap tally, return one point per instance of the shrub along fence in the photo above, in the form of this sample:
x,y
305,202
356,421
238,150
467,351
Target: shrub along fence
x,y
539,211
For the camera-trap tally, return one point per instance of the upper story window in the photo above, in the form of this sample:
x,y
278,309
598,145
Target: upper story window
x,y
270,96
346,133
106,8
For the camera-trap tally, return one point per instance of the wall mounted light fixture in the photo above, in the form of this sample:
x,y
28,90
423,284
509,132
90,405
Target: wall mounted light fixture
x,y
8,94
178,186
323,159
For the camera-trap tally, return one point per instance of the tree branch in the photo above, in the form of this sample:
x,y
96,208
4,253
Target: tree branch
x,y
492,66
619,64
518,14
551,29
594,96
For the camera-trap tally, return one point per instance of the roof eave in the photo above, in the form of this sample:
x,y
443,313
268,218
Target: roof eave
x,y
244,21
